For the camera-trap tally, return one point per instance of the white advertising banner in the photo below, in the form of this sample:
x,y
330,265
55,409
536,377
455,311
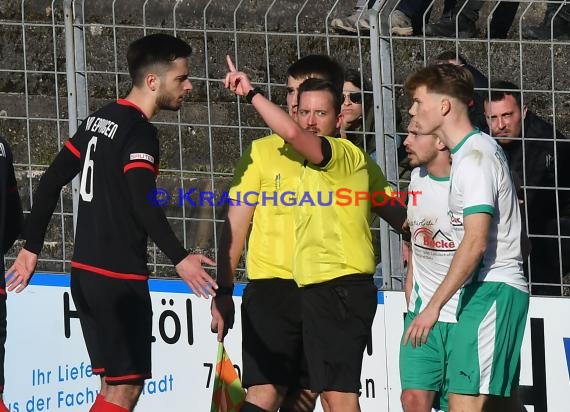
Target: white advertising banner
x,y
47,367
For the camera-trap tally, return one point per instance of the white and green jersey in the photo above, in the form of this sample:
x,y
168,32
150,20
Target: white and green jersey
x,y
481,183
432,241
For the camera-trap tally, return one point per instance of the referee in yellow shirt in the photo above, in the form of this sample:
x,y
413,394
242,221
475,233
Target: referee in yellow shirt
x,y
264,184
333,254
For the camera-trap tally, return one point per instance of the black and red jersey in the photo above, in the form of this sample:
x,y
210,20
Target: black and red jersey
x,y
116,150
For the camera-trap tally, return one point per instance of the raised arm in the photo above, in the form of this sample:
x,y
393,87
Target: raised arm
x,y
304,142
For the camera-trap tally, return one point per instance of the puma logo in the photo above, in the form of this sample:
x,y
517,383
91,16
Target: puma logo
x,y
461,373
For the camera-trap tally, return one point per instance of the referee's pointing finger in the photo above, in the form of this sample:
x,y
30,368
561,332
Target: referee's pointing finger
x,y
231,66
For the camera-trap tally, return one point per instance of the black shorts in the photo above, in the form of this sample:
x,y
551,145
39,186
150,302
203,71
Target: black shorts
x,y
337,324
272,346
116,320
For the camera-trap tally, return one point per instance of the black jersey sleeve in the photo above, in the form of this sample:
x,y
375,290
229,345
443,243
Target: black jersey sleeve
x,y
141,181
141,150
64,168
140,165
14,218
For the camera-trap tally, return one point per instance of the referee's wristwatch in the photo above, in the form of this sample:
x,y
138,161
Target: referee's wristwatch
x,y
249,96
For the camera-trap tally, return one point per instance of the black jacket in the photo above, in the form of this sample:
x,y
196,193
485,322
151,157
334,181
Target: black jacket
x,y
476,107
540,164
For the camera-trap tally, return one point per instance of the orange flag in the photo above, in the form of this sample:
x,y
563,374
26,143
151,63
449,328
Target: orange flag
x,y
228,395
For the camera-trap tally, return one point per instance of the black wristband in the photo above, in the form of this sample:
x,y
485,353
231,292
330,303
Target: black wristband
x,y
225,290
253,92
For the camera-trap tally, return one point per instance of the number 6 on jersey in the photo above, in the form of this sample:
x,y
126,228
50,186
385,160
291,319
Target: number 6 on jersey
x,y
88,168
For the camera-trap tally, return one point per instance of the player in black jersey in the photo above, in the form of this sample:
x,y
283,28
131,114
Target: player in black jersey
x,y
10,226
116,150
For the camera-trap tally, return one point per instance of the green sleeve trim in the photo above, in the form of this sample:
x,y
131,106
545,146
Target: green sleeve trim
x,y
471,210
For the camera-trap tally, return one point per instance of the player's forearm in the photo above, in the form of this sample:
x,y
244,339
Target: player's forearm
x,y
159,230
229,253
464,263
304,142
14,219
409,281
62,170
394,214
232,242
152,218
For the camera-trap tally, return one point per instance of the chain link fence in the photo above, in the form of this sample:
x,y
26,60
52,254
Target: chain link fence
x,y
61,60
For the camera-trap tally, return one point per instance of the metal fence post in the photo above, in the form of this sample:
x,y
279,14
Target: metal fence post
x,y
387,140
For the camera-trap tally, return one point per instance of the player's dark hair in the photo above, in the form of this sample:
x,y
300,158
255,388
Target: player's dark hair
x,y
502,88
313,84
159,48
320,66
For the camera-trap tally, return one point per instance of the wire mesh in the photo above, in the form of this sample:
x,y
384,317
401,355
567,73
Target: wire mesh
x,y
202,142
526,43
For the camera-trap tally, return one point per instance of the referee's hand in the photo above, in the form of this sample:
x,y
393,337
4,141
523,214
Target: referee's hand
x,y
236,81
19,274
223,312
191,271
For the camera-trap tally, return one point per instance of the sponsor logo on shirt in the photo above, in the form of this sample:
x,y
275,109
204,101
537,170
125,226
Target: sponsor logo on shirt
x,y
2,150
455,220
142,156
425,238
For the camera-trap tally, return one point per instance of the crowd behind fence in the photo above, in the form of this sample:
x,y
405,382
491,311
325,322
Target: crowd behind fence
x,y
61,60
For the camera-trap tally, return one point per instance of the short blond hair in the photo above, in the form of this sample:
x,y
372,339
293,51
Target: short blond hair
x,y
447,79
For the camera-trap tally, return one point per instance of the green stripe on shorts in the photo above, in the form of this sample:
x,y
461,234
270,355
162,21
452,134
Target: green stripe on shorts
x,y
488,338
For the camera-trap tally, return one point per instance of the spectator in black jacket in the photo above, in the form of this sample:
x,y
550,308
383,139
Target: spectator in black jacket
x,y
538,157
10,226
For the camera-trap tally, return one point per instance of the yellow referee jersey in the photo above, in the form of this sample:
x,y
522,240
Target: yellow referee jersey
x,y
269,170
335,240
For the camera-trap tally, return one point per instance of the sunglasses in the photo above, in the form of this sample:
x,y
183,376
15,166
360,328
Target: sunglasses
x,y
354,97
